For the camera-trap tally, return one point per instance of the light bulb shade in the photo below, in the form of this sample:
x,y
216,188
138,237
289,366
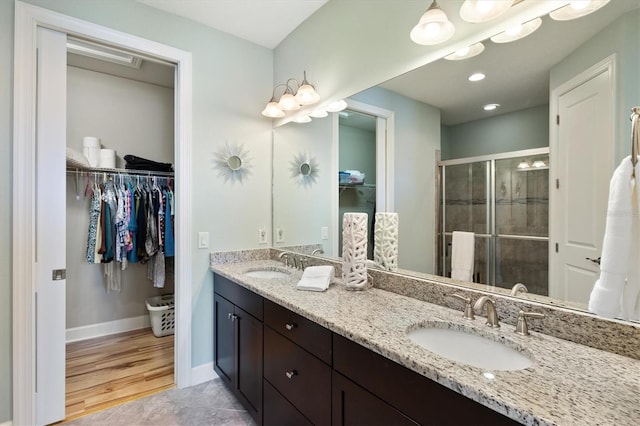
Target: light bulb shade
x,y
288,102
539,164
303,119
523,165
434,27
483,10
337,106
466,53
516,33
273,110
307,95
577,9
319,113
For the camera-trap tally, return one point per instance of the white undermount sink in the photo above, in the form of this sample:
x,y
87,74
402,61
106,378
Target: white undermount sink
x,y
468,348
267,273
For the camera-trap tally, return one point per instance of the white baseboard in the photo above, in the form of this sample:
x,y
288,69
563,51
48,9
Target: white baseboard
x,y
106,328
202,373
7,423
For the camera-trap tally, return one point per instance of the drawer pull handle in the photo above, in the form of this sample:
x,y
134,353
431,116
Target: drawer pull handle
x,y
291,374
229,315
233,317
290,326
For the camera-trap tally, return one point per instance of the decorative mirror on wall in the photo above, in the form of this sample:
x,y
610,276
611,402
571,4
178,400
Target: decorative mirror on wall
x,y
232,163
304,168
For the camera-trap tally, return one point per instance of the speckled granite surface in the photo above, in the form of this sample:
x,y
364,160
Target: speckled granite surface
x,y
568,384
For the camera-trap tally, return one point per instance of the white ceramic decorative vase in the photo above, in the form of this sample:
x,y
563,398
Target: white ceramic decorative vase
x,y
354,251
385,249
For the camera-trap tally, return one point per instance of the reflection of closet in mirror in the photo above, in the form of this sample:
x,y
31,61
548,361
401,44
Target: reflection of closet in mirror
x,y
357,165
504,200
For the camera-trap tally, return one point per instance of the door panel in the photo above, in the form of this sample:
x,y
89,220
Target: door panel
x,y
584,166
250,360
50,244
224,344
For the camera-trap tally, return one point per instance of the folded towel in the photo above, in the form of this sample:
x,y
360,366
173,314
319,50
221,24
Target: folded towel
x,y
316,278
619,248
462,255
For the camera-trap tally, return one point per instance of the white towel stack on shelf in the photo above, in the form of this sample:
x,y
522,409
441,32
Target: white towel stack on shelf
x,y
616,292
462,255
316,278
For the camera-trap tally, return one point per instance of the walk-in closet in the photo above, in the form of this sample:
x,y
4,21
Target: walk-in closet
x,y
118,105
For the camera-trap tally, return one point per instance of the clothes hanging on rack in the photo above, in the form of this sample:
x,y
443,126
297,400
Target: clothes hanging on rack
x,y
130,222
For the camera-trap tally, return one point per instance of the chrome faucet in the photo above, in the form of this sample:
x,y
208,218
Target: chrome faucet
x,y
287,258
521,326
317,251
517,288
492,314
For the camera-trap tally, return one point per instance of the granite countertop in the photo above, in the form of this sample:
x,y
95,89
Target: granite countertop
x,y
568,383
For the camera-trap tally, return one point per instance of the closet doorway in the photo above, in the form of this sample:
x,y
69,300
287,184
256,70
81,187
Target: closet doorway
x,y
38,152
124,103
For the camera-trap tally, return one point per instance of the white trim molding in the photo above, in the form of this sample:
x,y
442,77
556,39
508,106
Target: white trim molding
x,y
100,329
27,19
202,373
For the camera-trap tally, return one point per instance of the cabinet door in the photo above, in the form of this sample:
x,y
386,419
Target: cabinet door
x,y
224,344
249,361
353,405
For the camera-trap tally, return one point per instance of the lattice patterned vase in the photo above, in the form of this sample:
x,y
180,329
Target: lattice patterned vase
x,y
385,249
354,251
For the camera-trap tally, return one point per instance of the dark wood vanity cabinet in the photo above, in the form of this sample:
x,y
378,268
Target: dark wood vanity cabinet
x,y
297,366
238,342
289,370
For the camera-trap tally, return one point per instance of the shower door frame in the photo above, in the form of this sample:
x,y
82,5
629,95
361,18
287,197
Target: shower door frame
x,y
491,234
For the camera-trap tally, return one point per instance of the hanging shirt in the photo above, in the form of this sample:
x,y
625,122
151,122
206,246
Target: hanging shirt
x,y
94,216
169,245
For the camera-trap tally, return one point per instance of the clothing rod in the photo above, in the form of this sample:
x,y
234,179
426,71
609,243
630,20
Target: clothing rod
x,y
128,172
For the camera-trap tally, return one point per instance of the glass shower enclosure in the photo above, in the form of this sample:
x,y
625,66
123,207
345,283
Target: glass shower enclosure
x,y
504,200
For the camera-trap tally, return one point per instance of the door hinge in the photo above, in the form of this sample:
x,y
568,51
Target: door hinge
x,y
557,183
558,119
557,248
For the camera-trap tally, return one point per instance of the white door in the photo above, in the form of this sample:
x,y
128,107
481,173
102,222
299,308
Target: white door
x,y
582,166
50,235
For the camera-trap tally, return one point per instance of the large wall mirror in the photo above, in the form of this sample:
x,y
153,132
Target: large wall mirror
x,y
451,152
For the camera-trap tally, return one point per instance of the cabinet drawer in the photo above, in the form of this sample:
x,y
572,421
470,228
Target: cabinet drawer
x,y
300,377
311,336
280,412
423,400
238,295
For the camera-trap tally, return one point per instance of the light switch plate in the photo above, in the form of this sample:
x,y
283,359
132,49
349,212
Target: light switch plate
x,y
262,236
324,233
279,235
203,240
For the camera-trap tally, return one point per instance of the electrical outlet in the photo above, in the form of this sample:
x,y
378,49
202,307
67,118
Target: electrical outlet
x,y
279,235
262,236
324,233
203,240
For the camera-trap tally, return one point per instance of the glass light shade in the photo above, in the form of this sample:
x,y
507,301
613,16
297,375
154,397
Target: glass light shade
x,y
483,10
337,106
307,95
516,33
288,102
303,119
273,110
466,53
577,9
523,165
319,113
538,164
434,27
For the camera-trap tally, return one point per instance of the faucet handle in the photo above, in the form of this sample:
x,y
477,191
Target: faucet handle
x,y
468,310
521,326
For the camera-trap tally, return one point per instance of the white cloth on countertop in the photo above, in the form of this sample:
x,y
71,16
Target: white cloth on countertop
x,y
316,278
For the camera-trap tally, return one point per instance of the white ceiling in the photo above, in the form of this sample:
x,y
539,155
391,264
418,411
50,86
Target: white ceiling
x,y
263,22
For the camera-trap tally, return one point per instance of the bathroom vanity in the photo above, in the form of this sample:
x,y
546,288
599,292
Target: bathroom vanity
x,y
343,357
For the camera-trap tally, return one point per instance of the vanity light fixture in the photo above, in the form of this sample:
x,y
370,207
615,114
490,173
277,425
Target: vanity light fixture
x,y
434,27
577,9
477,76
491,107
517,32
337,106
466,52
292,98
483,10
539,164
523,165
302,119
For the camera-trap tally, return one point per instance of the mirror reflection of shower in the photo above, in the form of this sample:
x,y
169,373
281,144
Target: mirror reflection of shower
x,y
504,200
357,166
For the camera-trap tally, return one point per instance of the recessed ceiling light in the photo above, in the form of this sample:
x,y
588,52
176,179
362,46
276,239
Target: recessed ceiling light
x,y
477,76
517,32
491,107
466,52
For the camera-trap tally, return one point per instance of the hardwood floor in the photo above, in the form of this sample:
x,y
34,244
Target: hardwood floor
x,y
111,370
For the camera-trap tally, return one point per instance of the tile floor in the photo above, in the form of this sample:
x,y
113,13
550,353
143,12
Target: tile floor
x,y
208,403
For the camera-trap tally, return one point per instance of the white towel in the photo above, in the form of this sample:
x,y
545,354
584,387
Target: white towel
x,y
615,293
462,255
316,278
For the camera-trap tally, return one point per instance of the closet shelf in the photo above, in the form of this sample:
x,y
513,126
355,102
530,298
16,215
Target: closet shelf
x,y
72,168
